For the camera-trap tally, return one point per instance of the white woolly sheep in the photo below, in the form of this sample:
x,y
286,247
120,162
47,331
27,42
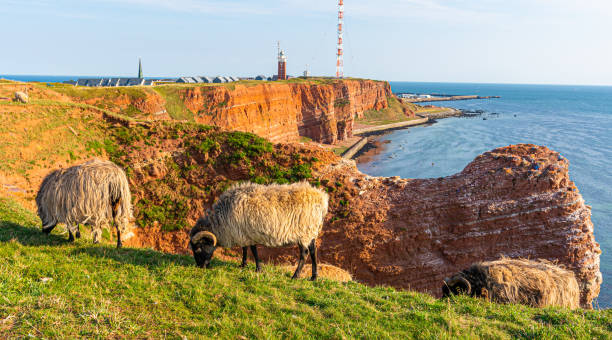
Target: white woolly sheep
x,y
274,215
21,97
93,193
532,283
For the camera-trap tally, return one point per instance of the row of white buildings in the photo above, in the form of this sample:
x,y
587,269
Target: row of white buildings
x,y
99,82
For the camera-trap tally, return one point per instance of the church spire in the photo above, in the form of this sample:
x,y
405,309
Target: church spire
x,y
140,69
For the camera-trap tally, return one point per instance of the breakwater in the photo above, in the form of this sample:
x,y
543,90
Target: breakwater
x,y
446,98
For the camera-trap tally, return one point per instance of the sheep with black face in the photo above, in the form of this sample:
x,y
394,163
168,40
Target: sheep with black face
x,y
274,215
533,283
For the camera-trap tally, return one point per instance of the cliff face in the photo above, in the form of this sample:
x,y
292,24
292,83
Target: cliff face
x,y
285,111
515,201
323,110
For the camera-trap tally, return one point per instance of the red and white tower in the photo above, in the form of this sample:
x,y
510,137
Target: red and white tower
x,y
340,60
282,64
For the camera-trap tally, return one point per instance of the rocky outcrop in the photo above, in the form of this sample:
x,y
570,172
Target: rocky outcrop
x,y
282,112
516,201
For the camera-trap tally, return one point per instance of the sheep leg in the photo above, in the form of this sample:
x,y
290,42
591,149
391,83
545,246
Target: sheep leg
x,y
48,228
312,249
244,257
97,234
303,253
119,245
70,236
78,232
254,251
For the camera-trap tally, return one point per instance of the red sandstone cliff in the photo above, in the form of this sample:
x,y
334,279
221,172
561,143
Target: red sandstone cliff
x,y
283,112
323,110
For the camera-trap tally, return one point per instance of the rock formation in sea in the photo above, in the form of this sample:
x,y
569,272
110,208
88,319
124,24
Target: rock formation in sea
x,y
517,201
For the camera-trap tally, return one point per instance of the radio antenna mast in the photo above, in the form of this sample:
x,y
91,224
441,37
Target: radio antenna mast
x,y
340,57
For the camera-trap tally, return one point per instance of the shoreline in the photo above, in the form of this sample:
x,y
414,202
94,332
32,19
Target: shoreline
x,y
363,145
447,98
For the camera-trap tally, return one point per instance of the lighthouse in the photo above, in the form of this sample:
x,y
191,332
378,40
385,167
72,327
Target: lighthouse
x,y
282,64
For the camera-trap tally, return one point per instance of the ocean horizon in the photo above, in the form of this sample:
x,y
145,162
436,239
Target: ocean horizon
x,y
59,78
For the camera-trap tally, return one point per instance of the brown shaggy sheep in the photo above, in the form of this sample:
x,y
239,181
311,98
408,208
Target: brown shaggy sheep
x,y
533,283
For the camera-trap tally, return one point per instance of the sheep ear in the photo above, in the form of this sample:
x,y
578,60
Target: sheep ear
x,y
204,234
484,293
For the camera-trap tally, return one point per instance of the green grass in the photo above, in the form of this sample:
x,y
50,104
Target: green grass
x,y
98,291
84,92
339,151
174,103
46,134
394,113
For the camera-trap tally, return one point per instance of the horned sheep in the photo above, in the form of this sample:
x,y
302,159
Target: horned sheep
x,y
274,215
93,193
533,283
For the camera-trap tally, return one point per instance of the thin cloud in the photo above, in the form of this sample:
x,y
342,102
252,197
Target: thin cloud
x,y
201,6
456,10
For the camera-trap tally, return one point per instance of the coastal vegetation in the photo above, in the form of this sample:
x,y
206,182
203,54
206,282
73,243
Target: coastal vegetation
x,y
396,112
99,291
174,103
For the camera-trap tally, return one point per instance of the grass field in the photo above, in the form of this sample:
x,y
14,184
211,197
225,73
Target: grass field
x,y
394,113
52,289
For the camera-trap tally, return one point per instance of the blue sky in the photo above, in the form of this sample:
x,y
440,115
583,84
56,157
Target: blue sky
x,y
508,41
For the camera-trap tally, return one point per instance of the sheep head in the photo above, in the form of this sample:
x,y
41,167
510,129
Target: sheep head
x,y
456,285
203,244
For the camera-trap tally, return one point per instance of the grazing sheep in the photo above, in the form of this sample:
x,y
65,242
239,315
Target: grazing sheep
x,y
274,216
93,193
21,97
533,283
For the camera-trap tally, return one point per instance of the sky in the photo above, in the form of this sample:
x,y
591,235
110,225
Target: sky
x,y
492,41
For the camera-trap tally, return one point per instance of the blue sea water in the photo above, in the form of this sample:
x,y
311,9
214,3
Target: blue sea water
x,y
39,78
573,120
56,79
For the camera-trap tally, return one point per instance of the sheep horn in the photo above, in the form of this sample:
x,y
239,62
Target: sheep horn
x,y
456,280
204,234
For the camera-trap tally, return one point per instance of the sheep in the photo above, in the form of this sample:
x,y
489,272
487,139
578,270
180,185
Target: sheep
x,y
274,215
533,283
21,97
93,193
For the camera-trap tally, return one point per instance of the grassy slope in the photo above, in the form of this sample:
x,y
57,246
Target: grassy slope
x,y
395,113
45,133
98,291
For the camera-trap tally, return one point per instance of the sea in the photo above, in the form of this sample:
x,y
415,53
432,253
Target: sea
x,y
573,120
40,78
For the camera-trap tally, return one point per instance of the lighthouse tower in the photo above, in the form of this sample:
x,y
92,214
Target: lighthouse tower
x,y
282,64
